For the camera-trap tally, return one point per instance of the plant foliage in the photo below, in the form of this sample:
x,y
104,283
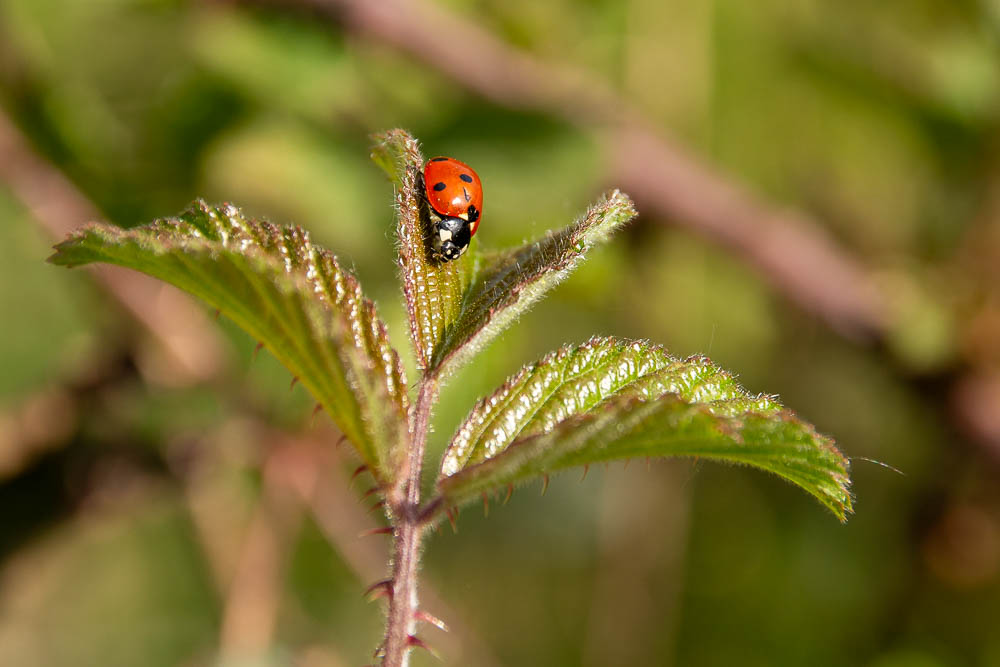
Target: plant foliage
x,y
605,400
287,293
610,399
456,308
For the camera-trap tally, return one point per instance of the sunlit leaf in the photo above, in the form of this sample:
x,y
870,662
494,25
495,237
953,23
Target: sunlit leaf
x,y
457,307
288,294
511,281
609,399
433,290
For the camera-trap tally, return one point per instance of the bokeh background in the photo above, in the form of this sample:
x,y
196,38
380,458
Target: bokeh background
x,y
819,186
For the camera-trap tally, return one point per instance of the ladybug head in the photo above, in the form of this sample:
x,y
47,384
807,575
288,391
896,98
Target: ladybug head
x,y
451,238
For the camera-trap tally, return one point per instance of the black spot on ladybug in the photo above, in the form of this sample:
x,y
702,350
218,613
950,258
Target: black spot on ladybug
x,y
438,187
466,178
468,197
439,159
473,213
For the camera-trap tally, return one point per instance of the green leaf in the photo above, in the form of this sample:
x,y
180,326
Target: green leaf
x,y
288,294
609,399
457,307
511,281
432,289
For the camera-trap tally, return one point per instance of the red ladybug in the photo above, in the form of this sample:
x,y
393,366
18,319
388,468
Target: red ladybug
x,y
455,195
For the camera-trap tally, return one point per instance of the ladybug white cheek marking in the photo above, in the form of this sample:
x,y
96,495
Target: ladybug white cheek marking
x,y
445,235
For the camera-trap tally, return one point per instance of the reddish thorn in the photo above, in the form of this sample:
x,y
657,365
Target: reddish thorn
x,y
417,642
217,313
257,349
647,464
510,492
380,504
357,471
312,417
486,504
545,483
340,441
627,461
379,589
380,593
295,380
370,492
586,469
451,518
422,615
376,531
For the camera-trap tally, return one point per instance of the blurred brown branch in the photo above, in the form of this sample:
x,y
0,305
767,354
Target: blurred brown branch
x,y
253,595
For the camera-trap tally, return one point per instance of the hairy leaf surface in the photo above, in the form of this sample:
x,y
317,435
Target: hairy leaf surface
x,y
291,296
609,399
433,289
457,307
511,281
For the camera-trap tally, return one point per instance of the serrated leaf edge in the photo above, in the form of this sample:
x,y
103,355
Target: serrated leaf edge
x,y
346,304
612,212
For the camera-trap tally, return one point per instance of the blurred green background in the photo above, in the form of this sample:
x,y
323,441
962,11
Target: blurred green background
x,y
157,516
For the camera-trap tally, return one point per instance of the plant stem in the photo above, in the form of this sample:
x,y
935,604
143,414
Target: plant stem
x,y
408,534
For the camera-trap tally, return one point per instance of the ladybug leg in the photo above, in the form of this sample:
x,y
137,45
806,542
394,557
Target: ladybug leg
x,y
451,238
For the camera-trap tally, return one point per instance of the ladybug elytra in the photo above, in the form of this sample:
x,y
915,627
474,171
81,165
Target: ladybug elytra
x,y
455,195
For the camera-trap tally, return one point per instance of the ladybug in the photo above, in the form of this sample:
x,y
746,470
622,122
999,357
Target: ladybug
x,y
455,195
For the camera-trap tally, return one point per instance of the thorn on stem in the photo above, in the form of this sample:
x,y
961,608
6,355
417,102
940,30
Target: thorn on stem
x,y
486,504
380,589
257,349
217,313
312,418
370,492
627,461
586,469
416,642
357,471
451,518
295,380
379,505
510,492
545,483
387,530
422,615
